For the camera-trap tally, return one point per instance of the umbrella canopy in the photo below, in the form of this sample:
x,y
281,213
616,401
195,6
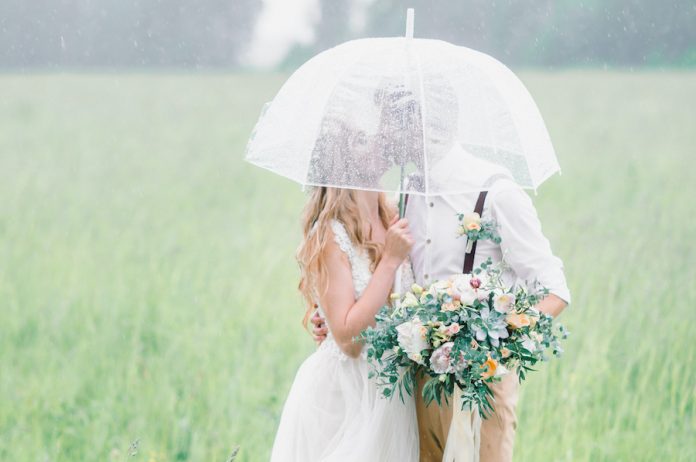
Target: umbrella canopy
x,y
367,112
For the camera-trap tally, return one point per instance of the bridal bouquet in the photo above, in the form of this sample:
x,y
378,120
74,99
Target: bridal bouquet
x,y
468,330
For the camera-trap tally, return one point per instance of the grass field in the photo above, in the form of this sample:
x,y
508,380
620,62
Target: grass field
x,y
147,278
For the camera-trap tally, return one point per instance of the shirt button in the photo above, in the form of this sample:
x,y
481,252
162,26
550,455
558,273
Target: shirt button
x,y
432,204
425,276
428,241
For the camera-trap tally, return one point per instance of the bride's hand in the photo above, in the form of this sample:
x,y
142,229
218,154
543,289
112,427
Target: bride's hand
x,y
398,242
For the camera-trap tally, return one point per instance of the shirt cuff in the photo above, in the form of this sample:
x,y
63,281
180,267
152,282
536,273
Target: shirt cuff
x,y
562,293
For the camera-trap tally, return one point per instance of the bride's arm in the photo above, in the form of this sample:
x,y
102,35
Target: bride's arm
x,y
347,316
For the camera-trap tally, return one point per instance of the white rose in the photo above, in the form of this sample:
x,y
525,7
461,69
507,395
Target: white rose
x,y
411,338
472,221
409,300
503,303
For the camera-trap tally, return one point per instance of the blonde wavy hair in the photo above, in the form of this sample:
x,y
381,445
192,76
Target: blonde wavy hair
x,y
324,205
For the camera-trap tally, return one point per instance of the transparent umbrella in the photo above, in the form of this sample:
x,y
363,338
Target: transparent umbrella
x,y
371,112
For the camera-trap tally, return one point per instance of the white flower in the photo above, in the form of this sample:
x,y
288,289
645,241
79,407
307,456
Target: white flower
x,y
440,287
528,344
409,300
441,360
462,290
503,303
411,338
472,221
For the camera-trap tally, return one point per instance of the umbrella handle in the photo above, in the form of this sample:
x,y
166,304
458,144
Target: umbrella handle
x,y
397,281
410,14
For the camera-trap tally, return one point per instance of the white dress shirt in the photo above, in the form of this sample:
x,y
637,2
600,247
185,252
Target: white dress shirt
x,y
439,251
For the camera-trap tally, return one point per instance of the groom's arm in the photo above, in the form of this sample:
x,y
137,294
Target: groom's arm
x,y
552,304
319,330
525,248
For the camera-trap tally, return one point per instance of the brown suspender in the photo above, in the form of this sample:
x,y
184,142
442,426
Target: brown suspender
x,y
469,257
478,208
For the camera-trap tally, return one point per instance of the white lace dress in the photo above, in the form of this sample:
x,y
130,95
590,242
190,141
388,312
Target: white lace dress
x,y
334,412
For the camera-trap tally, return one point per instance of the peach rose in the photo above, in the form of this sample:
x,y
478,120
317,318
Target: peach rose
x,y
517,320
472,221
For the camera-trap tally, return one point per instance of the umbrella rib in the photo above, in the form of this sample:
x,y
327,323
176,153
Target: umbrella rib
x,y
423,114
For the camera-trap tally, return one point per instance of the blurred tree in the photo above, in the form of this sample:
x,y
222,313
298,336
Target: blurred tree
x,y
107,33
334,25
553,32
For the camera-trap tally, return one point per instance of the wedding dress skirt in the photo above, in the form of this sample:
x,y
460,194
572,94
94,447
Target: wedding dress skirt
x,y
334,412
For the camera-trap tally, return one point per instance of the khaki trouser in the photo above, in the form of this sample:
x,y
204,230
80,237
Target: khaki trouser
x,y
497,431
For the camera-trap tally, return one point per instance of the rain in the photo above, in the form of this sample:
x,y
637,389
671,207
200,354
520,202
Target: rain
x,y
149,270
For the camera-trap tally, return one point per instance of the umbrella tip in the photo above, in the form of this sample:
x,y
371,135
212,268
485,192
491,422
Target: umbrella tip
x,y
409,23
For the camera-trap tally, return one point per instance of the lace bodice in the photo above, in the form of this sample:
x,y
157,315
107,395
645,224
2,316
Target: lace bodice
x,y
360,268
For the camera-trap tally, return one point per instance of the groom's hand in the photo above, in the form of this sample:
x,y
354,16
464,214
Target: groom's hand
x,y
320,330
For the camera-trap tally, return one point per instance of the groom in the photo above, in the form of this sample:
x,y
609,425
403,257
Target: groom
x,y
439,252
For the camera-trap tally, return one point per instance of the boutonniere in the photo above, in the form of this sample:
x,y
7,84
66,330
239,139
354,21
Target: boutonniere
x,y
476,229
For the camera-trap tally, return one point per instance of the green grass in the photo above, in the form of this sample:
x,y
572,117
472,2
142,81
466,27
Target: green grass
x,y
148,284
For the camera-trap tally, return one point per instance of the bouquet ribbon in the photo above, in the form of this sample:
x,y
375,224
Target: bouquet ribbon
x,y
464,437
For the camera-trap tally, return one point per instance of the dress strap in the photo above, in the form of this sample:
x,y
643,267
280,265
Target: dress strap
x,y
469,257
342,239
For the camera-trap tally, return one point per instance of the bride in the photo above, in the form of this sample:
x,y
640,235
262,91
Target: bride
x,y
353,245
